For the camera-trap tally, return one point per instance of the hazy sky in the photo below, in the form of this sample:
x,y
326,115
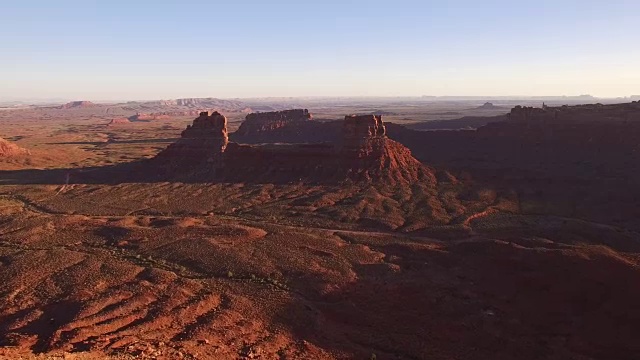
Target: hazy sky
x,y
111,49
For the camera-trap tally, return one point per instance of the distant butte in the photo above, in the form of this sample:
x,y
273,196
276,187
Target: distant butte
x,y
488,106
592,113
260,122
77,104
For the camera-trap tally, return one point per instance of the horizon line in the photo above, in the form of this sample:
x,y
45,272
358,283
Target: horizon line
x,y
417,97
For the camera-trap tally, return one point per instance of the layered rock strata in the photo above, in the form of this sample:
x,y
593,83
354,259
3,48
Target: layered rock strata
x,y
256,123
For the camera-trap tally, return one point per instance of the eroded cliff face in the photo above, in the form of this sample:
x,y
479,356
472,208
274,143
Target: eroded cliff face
x,y
209,126
257,123
363,154
361,128
201,144
368,154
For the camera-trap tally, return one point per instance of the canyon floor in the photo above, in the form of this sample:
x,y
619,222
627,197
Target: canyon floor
x,y
163,270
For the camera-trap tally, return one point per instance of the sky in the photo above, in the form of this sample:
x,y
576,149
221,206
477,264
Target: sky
x,y
135,49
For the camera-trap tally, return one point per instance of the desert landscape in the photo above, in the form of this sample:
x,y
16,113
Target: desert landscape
x,y
205,229
319,180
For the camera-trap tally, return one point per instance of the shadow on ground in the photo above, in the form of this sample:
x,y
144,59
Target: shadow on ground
x,y
483,299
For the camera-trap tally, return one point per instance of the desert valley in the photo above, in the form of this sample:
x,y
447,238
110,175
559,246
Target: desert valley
x,y
293,229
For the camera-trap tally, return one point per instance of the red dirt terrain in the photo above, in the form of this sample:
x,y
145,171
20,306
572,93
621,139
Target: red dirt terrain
x,y
344,249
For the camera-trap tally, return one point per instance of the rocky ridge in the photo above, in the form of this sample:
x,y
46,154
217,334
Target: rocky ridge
x,y
488,106
577,114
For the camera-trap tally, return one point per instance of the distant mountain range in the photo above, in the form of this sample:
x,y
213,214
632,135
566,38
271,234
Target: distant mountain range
x,y
235,102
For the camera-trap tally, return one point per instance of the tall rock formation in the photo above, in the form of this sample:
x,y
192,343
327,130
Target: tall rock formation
x,y
203,142
358,129
364,154
368,153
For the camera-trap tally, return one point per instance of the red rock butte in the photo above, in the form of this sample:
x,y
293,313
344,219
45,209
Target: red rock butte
x,y
364,154
77,104
258,122
202,142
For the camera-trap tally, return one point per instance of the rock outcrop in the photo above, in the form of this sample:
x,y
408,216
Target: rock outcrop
x,y
8,149
369,154
363,154
200,144
257,123
77,104
359,129
119,121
